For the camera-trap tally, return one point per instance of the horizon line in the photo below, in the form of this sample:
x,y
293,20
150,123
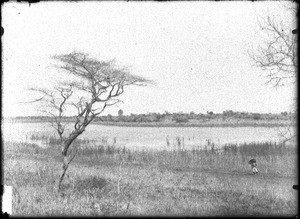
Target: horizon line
x,y
10,117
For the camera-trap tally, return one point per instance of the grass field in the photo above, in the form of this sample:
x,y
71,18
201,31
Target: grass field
x,y
110,181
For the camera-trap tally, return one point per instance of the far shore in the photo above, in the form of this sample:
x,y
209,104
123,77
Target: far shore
x,y
200,124
209,123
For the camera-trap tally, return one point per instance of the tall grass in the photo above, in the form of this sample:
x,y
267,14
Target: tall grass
x,y
54,141
272,157
107,180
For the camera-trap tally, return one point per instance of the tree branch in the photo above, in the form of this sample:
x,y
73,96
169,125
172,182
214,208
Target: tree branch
x,y
278,54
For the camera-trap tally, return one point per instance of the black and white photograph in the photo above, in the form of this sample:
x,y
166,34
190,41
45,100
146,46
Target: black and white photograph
x,y
147,108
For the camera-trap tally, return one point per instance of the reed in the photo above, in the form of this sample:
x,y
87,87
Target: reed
x,y
272,157
105,180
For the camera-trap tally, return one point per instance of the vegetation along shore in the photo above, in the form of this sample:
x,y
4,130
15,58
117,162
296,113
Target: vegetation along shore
x,y
228,118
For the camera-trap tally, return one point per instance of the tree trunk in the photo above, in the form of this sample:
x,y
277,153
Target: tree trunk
x,y
64,169
67,159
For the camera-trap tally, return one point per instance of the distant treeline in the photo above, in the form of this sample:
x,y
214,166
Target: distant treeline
x,y
178,117
186,117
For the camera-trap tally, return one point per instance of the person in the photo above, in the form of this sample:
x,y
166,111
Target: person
x,y
253,164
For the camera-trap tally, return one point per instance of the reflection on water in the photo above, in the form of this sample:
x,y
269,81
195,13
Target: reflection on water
x,y
147,137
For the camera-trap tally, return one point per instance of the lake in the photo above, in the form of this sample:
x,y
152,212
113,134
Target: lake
x,y
149,137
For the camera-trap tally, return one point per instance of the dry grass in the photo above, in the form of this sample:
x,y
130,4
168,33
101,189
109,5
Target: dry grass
x,y
149,183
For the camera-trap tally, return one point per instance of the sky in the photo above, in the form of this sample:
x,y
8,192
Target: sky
x,y
196,52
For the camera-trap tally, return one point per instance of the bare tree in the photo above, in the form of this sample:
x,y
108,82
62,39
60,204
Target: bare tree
x,y
277,55
94,86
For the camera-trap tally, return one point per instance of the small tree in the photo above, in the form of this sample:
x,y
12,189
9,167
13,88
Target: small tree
x,y
210,113
120,113
109,117
94,86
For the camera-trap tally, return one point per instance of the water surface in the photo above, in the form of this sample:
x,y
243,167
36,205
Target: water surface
x,y
150,137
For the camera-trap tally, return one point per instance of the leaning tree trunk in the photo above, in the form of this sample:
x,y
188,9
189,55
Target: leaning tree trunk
x,y
65,145
64,169
67,159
